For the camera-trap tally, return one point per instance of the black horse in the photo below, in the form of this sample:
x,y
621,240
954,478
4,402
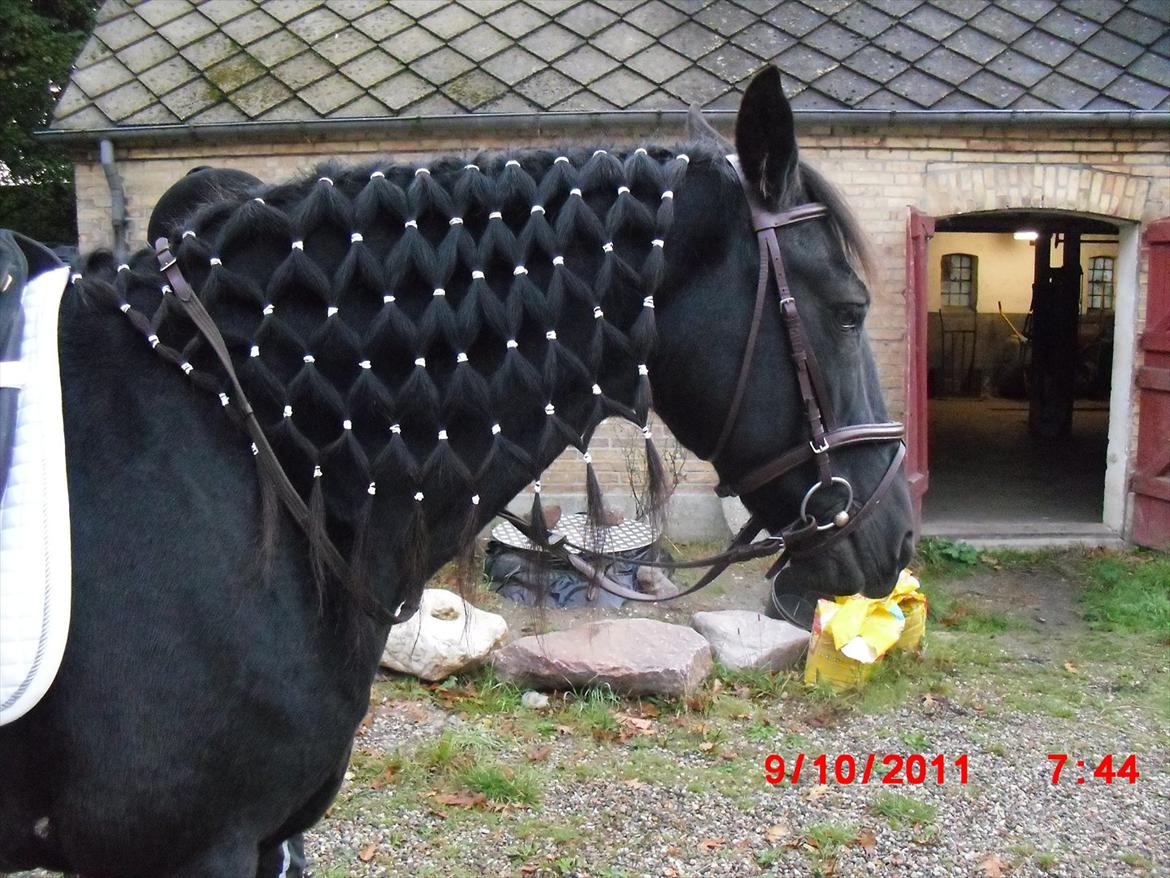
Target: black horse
x,y
216,668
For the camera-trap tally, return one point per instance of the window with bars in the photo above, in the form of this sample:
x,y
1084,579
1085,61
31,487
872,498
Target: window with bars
x,y
1101,283
958,280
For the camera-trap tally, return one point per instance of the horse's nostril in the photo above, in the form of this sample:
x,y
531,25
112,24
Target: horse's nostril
x,y
906,555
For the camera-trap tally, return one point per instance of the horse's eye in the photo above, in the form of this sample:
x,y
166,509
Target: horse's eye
x,y
849,317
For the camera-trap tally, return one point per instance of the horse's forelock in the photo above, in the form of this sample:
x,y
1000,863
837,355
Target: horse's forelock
x,y
853,240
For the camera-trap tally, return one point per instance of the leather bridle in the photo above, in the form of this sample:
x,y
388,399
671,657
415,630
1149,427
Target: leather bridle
x,y
804,536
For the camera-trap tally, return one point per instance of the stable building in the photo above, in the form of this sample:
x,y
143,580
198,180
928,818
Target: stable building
x,y
1010,159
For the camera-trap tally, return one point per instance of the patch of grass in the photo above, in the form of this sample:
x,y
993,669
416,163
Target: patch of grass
x,y
1046,860
1128,592
902,811
1136,861
593,711
501,783
823,842
756,684
916,741
937,557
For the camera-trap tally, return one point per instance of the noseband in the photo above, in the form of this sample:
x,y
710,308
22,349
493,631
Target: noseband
x,y
824,432
806,535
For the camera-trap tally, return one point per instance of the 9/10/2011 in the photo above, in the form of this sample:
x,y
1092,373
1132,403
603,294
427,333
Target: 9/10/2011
x,y
895,768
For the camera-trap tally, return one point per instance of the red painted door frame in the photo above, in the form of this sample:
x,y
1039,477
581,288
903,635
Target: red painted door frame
x,y
919,229
1151,477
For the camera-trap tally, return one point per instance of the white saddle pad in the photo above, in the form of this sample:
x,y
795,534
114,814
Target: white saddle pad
x,y
35,562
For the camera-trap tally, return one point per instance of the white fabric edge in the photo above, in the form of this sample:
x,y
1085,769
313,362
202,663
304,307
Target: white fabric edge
x,y
42,302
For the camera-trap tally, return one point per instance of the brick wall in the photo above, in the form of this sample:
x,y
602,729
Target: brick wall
x,y
942,170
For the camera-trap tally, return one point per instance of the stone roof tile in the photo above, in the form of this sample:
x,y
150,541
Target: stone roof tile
x,y
1001,24
864,19
401,90
587,18
371,68
483,41
730,63
382,23
261,95
517,20
196,61
473,90
277,47
725,18
656,18
548,87
621,41
552,41
251,27
795,18
120,32
169,75
512,65
622,87
658,62
763,40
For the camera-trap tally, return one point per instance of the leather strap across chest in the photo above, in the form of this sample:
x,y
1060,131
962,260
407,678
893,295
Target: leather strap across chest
x,y
270,467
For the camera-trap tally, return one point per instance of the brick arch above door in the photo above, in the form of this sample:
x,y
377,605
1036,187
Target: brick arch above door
x,y
957,189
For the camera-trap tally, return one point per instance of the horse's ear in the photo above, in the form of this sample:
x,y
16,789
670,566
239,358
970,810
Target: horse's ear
x,y
699,129
765,137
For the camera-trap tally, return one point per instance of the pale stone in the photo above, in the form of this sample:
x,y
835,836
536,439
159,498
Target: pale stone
x,y
534,700
746,640
446,635
631,656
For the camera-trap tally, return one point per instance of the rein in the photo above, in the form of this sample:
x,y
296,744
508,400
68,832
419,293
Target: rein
x,y
801,536
798,538
270,467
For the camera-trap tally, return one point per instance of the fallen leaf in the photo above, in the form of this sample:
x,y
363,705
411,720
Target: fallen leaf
x,y
706,746
634,784
367,852
636,722
1071,668
992,866
717,686
670,872
727,755
384,778
648,710
817,791
539,754
366,722
712,844
867,840
462,799
565,730
777,831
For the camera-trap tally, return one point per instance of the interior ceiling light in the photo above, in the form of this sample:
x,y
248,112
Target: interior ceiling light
x,y
1026,236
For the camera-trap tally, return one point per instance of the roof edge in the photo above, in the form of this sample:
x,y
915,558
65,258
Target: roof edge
x,y
609,121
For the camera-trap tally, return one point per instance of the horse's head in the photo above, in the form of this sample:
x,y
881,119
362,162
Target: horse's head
x,y
762,424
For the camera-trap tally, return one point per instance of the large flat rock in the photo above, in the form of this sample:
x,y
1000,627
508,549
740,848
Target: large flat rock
x,y
744,640
631,656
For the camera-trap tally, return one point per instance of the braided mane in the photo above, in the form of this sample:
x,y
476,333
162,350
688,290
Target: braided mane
x,y
403,331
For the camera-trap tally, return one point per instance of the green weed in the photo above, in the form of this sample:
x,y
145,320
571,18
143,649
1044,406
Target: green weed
x,y
1128,592
901,811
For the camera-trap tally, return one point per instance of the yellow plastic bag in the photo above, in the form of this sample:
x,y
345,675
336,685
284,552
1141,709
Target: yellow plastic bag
x,y
849,635
913,603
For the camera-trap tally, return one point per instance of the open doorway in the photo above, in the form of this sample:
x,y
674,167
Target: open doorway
x,y
1021,311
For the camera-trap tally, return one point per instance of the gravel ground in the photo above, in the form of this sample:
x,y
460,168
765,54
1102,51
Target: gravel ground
x,y
687,797
1006,820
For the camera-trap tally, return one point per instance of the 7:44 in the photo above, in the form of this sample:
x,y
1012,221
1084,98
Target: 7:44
x,y
1103,770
